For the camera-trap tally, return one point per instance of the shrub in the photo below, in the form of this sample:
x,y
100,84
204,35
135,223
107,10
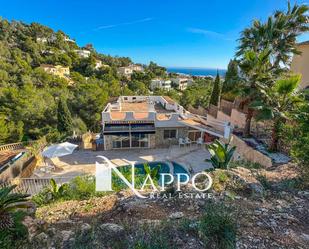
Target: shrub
x,y
220,180
9,203
245,164
264,181
81,187
16,236
218,227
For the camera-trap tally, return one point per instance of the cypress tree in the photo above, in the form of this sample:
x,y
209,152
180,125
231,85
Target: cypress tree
x,y
231,76
215,95
64,118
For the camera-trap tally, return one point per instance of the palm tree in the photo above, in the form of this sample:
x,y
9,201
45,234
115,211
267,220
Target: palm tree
x,y
221,154
9,203
256,77
278,103
273,42
278,35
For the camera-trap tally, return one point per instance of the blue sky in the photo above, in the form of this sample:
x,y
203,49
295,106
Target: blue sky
x,y
184,33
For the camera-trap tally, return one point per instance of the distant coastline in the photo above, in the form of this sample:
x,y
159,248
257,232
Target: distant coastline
x,y
196,71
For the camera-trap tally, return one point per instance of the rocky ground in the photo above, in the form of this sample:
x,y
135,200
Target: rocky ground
x,y
268,212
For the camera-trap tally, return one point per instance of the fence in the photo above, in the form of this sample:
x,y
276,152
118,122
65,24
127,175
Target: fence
x,y
33,186
14,146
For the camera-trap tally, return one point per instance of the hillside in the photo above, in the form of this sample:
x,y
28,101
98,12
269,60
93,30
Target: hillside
x,y
39,66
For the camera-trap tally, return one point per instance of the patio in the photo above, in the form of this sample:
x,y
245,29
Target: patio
x,y
83,161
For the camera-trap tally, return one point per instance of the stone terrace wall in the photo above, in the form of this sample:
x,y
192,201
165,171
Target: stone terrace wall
x,y
245,151
198,111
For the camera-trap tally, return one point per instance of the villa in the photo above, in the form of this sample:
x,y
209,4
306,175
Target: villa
x,y
83,53
127,71
161,84
58,70
182,82
156,122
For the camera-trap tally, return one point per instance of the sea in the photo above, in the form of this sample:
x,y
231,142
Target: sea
x,y
194,71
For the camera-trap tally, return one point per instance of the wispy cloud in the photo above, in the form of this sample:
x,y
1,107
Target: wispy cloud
x,y
123,24
210,33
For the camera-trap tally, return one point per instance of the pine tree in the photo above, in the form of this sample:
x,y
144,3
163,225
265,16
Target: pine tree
x,y
64,118
4,132
215,95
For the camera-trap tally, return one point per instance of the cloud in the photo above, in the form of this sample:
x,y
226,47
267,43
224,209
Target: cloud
x,y
123,24
209,33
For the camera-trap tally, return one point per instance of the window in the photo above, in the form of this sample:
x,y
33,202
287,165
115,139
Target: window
x,y
169,134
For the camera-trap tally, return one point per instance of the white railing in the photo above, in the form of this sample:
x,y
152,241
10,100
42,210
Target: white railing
x,y
33,186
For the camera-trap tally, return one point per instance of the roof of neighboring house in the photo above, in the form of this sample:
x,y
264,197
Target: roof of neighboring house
x,y
6,156
169,100
47,65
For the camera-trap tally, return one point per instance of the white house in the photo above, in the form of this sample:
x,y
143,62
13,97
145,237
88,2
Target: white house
x,y
155,121
127,71
98,64
67,39
182,82
160,83
83,53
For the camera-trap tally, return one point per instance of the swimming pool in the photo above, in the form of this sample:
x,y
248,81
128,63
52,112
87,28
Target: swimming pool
x,y
164,168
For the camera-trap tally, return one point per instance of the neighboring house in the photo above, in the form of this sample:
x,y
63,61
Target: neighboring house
x,y
182,82
137,68
42,39
60,71
154,122
127,71
300,64
161,84
83,53
98,64
56,70
67,39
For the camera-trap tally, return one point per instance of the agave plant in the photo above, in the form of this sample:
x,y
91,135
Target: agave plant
x,y
221,154
56,191
9,203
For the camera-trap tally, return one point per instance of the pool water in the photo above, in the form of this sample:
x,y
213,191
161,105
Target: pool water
x,y
164,168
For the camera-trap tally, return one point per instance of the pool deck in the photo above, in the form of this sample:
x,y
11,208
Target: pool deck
x,y
83,161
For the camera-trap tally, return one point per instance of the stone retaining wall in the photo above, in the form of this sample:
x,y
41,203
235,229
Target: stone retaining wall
x,y
244,151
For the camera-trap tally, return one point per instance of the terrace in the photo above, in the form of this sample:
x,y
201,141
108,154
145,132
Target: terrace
x,y
83,162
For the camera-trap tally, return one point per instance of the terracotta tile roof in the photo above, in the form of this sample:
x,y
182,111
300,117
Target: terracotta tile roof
x,y
169,100
47,65
7,155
